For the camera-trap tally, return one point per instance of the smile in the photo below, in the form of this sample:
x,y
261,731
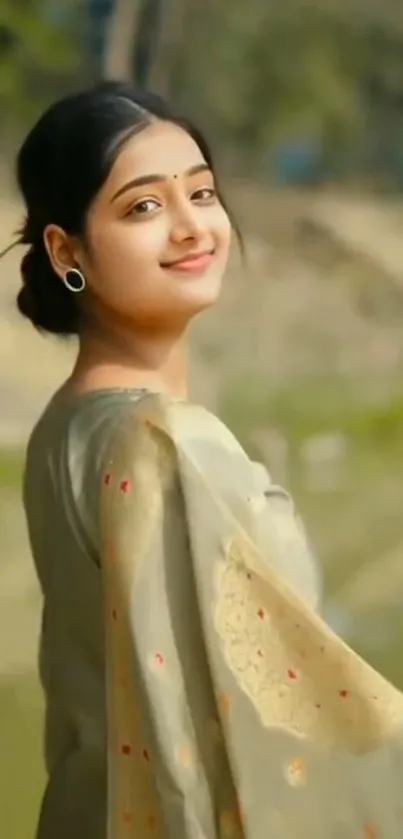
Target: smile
x,y
195,263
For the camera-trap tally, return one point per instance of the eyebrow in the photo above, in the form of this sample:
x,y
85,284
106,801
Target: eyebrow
x,y
152,179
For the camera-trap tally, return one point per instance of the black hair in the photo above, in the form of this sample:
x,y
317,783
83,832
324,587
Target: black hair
x,y
61,166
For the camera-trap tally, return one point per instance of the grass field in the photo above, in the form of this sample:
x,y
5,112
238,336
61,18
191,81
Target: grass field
x,y
21,711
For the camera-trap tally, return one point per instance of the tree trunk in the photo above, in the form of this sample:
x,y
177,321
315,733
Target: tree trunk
x,y
121,38
170,33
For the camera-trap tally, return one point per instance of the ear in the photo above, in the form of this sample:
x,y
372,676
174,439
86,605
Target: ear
x,y
61,249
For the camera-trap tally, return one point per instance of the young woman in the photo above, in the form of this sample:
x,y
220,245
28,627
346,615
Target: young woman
x,y
192,690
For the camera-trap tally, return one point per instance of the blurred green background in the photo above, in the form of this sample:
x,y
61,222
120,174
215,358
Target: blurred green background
x,y
303,357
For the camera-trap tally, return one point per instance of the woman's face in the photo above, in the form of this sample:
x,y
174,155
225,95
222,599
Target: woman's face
x,y
158,235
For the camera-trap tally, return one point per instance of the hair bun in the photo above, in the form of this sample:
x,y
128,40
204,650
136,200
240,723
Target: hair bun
x,y
25,303
43,299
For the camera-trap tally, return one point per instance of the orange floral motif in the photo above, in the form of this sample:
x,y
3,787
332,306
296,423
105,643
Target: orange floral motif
x,y
112,553
152,822
122,681
230,824
292,674
224,701
370,831
239,814
295,772
184,755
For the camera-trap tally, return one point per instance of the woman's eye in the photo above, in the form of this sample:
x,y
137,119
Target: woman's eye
x,y
146,205
205,193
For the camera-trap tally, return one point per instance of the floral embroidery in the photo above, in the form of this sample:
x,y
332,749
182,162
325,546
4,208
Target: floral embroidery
x,y
125,486
126,749
230,824
224,701
146,755
159,659
267,680
292,674
122,682
184,756
111,553
295,772
370,831
107,478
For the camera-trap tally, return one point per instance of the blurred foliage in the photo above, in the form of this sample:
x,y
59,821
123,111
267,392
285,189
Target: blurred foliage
x,y
36,46
328,77
285,72
315,405
11,466
22,773
318,74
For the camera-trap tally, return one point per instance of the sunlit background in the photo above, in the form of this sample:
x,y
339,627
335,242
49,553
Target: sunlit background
x,y
304,356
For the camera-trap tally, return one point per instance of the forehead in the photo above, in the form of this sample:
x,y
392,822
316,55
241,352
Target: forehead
x,y
160,149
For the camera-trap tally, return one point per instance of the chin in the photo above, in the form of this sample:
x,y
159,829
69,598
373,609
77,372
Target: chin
x,y
202,293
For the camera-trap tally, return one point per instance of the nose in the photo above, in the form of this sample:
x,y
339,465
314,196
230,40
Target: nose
x,y
187,224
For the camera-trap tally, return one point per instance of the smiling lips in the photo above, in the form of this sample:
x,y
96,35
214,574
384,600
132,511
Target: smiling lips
x,y
192,263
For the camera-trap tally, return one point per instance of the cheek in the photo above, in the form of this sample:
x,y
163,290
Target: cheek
x,y
222,230
124,267
129,249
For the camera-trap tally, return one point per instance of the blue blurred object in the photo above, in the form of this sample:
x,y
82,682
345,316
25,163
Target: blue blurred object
x,y
298,162
100,13
57,15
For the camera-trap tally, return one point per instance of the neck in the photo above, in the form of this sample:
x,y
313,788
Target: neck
x,y
156,361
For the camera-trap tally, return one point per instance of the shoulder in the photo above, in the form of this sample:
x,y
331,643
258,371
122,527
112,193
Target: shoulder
x,y
159,438
190,429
